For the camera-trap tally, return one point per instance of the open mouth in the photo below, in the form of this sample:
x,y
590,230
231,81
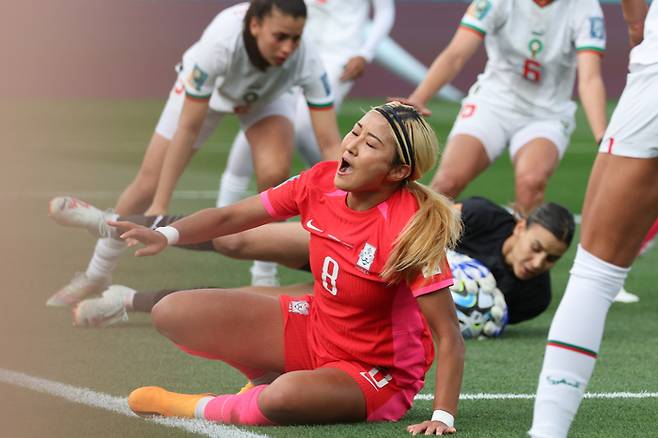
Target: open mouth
x,y
345,167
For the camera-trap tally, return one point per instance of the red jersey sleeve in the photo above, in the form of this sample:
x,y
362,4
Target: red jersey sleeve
x,y
281,202
428,282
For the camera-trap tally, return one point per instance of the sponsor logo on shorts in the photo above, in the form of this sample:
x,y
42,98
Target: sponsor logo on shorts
x,y
299,307
467,110
376,378
366,257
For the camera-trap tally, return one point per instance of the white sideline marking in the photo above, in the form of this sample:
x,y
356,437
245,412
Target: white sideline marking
x,y
117,405
593,395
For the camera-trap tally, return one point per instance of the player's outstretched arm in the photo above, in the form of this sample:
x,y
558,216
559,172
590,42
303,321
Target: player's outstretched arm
x,y
635,11
592,92
440,313
326,131
179,153
444,68
198,227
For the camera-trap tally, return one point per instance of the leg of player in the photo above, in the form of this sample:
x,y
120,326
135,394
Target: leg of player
x,y
463,159
533,163
271,141
325,395
616,217
238,172
134,199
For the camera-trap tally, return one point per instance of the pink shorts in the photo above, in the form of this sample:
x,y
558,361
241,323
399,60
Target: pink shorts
x,y
385,400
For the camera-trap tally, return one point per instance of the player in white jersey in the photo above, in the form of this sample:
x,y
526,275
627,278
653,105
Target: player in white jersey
x,y
620,205
336,28
247,60
523,98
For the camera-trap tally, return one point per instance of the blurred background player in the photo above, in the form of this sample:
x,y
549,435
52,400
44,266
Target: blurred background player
x,y
374,276
519,253
523,98
337,30
620,206
245,63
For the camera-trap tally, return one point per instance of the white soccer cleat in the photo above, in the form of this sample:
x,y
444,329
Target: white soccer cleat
x,y
77,290
104,311
72,212
623,296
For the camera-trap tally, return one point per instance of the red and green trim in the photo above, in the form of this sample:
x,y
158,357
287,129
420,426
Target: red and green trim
x,y
197,96
320,106
574,348
593,49
472,28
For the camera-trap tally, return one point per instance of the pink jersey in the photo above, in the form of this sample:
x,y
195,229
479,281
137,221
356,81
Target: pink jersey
x,y
355,314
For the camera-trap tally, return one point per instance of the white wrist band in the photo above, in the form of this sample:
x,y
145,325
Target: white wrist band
x,y
170,233
444,417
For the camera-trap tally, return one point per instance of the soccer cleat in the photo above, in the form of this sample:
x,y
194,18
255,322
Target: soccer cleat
x,y
247,386
626,297
78,289
104,311
72,212
152,400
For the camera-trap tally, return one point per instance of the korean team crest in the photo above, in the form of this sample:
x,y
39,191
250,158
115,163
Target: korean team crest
x,y
366,256
597,28
299,307
479,9
431,271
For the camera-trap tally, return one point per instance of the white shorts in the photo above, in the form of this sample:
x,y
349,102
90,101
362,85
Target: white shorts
x,y
283,105
633,128
496,127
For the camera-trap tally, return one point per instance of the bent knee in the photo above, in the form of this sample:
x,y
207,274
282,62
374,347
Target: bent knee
x,y
230,245
531,182
165,315
449,183
280,399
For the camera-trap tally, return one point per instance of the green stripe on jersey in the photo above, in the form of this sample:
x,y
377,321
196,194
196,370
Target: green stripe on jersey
x,y
475,28
320,105
596,49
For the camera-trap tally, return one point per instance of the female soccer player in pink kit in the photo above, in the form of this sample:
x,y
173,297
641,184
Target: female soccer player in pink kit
x,y
359,347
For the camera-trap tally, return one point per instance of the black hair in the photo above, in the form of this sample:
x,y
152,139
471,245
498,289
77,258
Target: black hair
x,y
556,219
261,8
395,115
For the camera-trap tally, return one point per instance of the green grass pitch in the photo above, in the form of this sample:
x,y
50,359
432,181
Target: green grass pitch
x,y
92,149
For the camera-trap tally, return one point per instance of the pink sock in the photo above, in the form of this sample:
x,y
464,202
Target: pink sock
x,y
237,409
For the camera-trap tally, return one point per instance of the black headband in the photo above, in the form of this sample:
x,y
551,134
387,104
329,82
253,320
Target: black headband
x,y
401,134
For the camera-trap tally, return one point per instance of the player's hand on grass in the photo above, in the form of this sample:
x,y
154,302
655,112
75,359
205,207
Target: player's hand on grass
x,y
354,68
431,428
133,234
420,107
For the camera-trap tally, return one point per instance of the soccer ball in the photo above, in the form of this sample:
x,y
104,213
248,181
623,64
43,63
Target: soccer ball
x,y
481,308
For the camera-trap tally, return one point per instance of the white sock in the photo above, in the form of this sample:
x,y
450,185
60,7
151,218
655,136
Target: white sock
x,y
105,258
200,407
232,189
573,343
263,269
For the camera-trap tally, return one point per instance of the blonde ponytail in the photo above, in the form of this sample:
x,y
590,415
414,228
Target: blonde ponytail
x,y
436,226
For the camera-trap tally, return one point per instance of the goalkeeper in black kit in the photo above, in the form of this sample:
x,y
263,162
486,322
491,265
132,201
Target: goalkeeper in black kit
x,y
500,266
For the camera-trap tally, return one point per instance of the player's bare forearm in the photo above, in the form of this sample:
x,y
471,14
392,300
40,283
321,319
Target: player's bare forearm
x,y
179,152
440,313
591,90
446,66
635,11
207,224
326,132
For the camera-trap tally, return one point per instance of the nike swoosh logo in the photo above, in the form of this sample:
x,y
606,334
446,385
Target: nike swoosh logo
x,y
310,225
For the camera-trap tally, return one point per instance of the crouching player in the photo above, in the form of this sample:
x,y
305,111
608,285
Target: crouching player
x,y
358,348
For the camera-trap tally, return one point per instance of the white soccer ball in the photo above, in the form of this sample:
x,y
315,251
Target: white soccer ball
x,y
481,307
